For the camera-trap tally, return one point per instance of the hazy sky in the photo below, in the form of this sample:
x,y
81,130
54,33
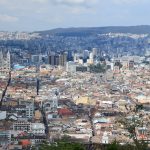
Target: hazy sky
x,y
32,15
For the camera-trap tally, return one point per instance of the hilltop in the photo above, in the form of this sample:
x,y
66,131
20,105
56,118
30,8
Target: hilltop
x,y
88,31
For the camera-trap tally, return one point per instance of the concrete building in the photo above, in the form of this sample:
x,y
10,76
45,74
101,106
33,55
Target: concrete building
x,y
85,54
29,107
51,103
3,115
22,126
57,60
53,60
38,128
94,51
36,58
71,67
91,59
62,59
5,137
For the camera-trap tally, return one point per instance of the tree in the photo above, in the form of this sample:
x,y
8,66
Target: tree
x,y
118,64
99,68
62,145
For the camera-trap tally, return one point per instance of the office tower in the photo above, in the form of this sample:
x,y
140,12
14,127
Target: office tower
x,y
53,60
94,51
75,58
36,58
69,56
62,59
85,54
91,56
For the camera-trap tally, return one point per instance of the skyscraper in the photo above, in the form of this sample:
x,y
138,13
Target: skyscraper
x,y
85,54
62,59
53,60
69,56
94,51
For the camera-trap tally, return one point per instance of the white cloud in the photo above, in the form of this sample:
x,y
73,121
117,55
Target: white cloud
x,y
40,1
7,18
55,20
128,1
71,1
74,2
81,10
3,1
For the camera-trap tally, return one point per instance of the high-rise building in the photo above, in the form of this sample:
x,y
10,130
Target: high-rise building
x,y
36,58
91,59
56,60
71,67
75,58
85,54
94,51
69,56
53,60
62,59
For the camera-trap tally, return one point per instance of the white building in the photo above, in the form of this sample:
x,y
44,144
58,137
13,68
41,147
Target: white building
x,y
38,128
71,67
105,139
85,54
2,115
91,59
51,103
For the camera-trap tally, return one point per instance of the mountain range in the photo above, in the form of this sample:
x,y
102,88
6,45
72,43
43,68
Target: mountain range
x,y
87,31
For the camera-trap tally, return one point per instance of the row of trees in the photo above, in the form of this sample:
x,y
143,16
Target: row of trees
x,y
66,145
99,68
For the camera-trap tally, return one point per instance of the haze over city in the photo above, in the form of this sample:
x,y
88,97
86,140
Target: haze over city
x,y
74,75
33,15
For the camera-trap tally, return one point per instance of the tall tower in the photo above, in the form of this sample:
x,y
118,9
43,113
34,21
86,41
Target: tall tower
x,y
94,51
62,59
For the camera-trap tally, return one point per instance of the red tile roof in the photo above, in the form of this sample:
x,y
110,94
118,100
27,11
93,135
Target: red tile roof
x,y
65,112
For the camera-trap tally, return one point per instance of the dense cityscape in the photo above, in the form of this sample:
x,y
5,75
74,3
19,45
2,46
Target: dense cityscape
x,y
82,94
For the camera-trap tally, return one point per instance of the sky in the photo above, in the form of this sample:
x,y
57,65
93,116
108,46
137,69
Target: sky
x,y
38,15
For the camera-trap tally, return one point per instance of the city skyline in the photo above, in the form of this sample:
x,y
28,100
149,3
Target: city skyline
x,y
34,15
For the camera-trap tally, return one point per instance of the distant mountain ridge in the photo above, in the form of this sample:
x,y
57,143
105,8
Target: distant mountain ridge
x,y
87,31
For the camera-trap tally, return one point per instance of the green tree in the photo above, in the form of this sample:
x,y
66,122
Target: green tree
x,y
114,146
62,145
99,68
